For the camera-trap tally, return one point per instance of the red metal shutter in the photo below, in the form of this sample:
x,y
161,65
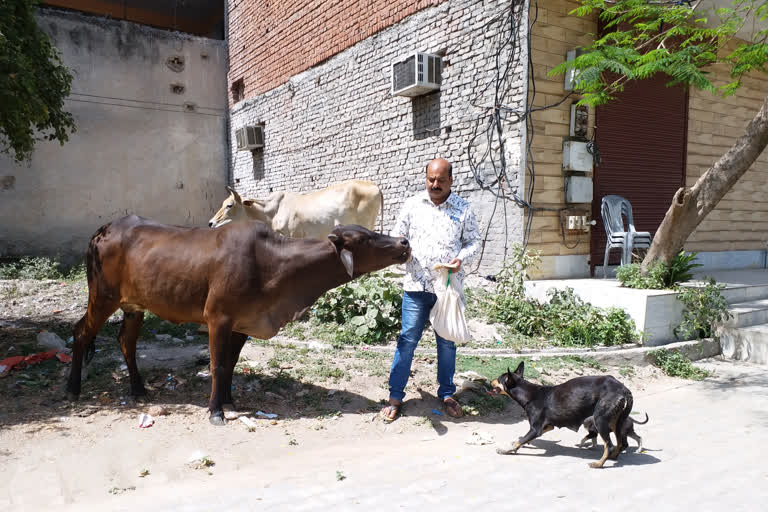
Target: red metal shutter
x,y
642,138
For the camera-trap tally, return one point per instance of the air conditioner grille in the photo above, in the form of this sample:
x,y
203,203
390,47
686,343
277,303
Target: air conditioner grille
x,y
435,70
255,135
404,73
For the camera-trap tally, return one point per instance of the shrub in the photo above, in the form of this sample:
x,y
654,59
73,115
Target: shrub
x,y
705,308
367,309
31,268
631,276
675,364
660,275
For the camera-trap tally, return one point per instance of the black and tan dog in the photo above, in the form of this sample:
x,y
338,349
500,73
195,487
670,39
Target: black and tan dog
x,y
603,398
627,429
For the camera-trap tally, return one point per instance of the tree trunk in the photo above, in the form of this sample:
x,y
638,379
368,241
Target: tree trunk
x,y
691,205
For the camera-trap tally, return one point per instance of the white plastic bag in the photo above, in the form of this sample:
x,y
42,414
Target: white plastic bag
x,y
447,315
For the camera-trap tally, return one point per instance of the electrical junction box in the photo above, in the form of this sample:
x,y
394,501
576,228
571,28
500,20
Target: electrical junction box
x,y
578,189
576,157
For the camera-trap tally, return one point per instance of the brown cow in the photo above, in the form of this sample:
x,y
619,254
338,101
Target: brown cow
x,y
242,279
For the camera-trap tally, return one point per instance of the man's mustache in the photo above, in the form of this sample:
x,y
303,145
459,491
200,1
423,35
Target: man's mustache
x,y
436,190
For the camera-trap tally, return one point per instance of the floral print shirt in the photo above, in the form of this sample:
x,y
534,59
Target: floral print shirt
x,y
437,234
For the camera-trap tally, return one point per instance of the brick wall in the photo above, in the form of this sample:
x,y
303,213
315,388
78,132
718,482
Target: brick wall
x,y
554,33
740,220
338,121
271,40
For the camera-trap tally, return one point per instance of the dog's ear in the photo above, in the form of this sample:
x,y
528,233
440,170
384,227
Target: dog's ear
x,y
520,369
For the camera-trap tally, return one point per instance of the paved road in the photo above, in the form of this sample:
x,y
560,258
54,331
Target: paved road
x,y
706,444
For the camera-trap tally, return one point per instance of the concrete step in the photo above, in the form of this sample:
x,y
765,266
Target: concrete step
x,y
736,293
744,314
745,343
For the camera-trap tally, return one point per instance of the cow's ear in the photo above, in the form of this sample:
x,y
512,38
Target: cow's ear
x,y
348,261
248,202
234,194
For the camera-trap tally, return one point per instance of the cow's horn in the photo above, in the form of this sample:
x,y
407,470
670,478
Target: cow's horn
x,y
347,261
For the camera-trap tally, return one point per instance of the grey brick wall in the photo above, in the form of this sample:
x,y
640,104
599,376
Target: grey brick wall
x,y
338,121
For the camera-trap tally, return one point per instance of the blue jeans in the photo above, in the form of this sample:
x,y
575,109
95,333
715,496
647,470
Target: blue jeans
x,y
416,307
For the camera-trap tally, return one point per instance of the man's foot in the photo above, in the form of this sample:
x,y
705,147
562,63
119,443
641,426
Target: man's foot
x,y
452,407
392,411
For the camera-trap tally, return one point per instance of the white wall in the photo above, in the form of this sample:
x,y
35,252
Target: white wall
x,y
136,149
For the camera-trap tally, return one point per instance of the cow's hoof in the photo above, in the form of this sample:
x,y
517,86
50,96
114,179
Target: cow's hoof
x,y
217,419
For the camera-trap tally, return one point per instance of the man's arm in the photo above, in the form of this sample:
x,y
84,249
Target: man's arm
x,y
470,239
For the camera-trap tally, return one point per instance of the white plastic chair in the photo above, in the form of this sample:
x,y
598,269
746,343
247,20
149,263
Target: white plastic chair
x,y
613,210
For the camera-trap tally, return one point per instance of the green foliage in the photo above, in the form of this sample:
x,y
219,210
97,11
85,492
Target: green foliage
x,y
660,275
631,276
641,39
675,364
515,270
31,268
679,269
564,320
367,310
40,268
33,83
705,308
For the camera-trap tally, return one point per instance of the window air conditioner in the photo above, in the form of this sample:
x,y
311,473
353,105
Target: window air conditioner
x,y
250,137
416,74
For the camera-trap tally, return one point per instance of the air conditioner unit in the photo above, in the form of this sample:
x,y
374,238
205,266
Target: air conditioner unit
x,y
250,137
417,74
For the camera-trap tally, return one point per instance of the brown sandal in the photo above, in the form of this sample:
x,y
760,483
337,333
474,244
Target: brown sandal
x,y
386,412
452,407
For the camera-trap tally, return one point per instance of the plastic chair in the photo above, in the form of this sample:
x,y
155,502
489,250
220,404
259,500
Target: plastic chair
x,y
613,210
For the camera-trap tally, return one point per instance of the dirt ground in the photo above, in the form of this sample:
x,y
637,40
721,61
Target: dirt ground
x,y
55,452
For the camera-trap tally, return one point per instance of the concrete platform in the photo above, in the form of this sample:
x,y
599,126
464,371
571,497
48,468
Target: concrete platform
x,y
657,313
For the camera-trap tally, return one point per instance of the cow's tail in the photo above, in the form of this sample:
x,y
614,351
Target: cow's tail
x,y
381,212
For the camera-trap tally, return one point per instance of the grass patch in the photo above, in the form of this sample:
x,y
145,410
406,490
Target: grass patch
x,y
676,364
483,405
493,366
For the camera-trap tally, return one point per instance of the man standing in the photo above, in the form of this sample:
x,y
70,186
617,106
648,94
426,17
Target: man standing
x,y
441,228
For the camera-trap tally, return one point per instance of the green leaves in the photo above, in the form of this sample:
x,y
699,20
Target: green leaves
x,y
705,308
33,83
660,275
367,310
641,39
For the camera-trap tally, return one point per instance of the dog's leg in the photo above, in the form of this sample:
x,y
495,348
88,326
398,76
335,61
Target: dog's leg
x,y
639,441
604,429
530,436
589,437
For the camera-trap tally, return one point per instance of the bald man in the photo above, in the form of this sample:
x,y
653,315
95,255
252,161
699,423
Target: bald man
x,y
441,228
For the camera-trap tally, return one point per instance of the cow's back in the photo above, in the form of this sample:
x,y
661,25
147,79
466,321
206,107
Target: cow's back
x,y
315,214
162,268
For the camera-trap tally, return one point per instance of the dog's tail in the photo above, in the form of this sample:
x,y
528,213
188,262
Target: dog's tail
x,y
640,422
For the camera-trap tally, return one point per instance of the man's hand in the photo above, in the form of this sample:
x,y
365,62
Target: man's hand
x,y
457,262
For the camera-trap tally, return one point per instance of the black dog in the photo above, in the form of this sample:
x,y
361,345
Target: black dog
x,y
604,398
627,429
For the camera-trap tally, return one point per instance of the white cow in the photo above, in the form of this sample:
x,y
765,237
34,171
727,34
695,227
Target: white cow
x,y
310,215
